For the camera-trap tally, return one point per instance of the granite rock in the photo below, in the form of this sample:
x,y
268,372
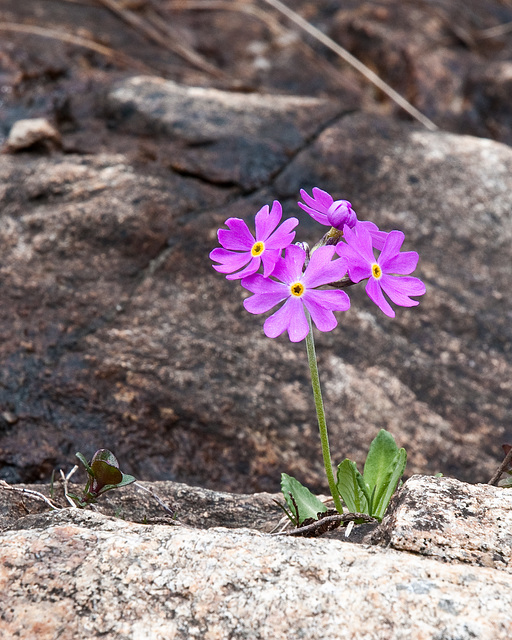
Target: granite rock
x,y
221,137
451,520
72,573
119,334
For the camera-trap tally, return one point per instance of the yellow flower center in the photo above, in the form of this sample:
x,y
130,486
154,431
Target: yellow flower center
x,y
257,249
297,289
376,271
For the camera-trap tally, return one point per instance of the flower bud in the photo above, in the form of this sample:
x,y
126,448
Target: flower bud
x,y
340,213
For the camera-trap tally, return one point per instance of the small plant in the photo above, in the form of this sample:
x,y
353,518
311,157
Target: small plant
x,y
104,475
368,493
371,492
297,281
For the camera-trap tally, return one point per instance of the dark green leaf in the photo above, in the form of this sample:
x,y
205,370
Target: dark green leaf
x,y
380,456
105,474
85,463
350,484
127,479
384,492
306,503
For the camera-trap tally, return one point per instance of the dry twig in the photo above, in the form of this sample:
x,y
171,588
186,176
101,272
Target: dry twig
x,y
272,24
326,524
494,32
354,62
29,492
44,32
501,469
162,37
65,481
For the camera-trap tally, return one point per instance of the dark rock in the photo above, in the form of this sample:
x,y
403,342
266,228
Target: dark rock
x,y
119,334
116,331
224,138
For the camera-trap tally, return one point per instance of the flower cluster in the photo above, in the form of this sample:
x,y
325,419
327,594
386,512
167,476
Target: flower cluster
x,y
344,256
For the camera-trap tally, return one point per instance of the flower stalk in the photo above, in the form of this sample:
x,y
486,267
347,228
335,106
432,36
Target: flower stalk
x,y
322,424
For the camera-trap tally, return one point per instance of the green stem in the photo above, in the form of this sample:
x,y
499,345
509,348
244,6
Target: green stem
x,y
322,425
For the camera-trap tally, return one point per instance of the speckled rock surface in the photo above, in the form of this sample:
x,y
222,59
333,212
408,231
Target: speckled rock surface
x,y
152,503
73,574
451,520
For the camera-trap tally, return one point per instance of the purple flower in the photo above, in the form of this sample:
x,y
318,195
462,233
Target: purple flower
x,y
338,213
325,210
241,249
382,271
298,289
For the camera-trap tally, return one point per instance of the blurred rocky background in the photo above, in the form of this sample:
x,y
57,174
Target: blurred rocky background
x,y
131,130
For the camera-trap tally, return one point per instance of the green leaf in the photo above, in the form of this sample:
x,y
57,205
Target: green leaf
x,y
85,463
384,492
127,479
306,503
383,469
105,473
352,487
380,456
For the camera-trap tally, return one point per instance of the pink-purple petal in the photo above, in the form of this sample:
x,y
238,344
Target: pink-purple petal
x,y
263,302
238,237
378,237
322,198
289,268
280,321
266,221
233,241
399,289
298,326
392,246
327,299
322,270
269,260
283,235
251,268
375,294
393,287
323,318
359,239
358,267
258,284
321,218
230,261
403,263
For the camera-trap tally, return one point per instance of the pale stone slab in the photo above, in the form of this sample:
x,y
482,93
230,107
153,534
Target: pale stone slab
x,y
81,574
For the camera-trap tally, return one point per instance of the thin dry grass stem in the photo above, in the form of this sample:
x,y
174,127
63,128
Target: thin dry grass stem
x,y
218,5
272,24
162,37
494,32
65,480
161,503
84,3
29,492
70,38
501,469
354,62
284,523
